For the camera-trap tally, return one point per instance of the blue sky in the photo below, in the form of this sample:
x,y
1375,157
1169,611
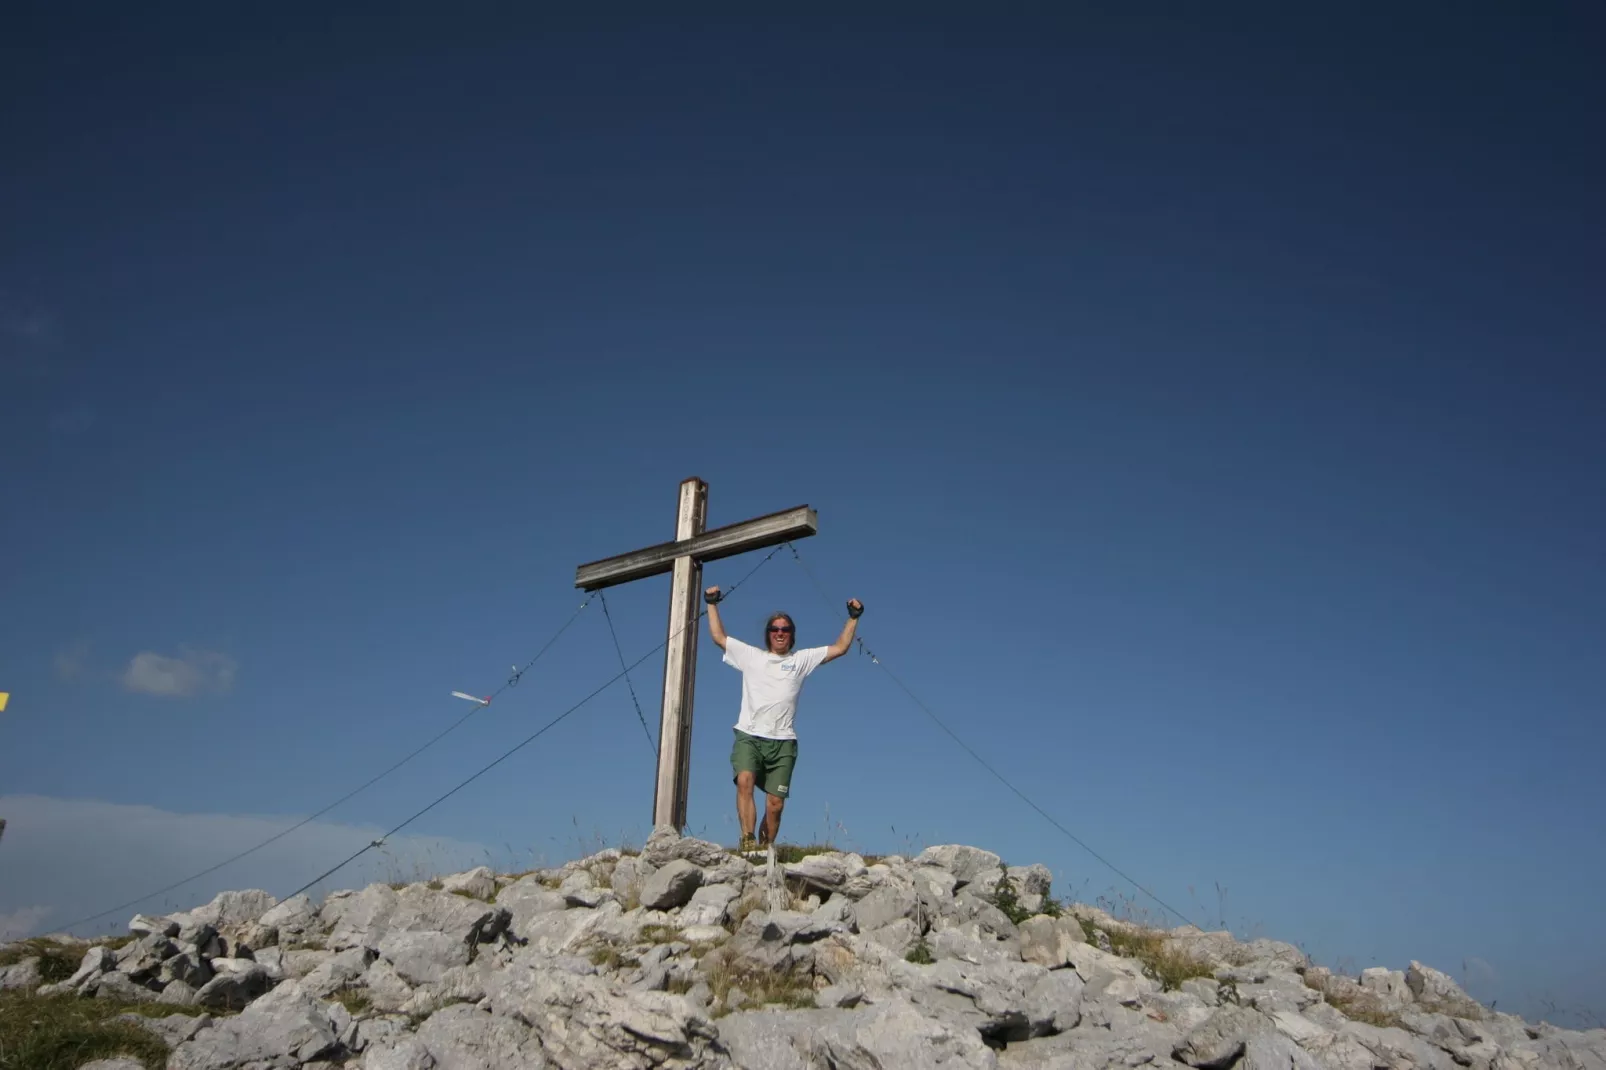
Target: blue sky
x,y
1206,407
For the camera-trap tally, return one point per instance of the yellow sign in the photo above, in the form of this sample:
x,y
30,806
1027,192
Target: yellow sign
x,y
3,696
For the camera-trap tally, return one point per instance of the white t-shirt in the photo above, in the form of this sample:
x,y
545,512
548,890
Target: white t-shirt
x,y
770,686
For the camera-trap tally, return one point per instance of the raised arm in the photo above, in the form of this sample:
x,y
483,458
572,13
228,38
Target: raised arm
x,y
844,642
716,628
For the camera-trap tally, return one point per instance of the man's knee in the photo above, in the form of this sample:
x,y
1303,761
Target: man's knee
x,y
775,804
744,781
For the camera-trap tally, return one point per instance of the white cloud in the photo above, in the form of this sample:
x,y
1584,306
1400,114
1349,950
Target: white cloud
x,y
72,659
185,676
66,859
22,921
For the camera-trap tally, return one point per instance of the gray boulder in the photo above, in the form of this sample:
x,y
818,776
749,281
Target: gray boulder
x,y
1050,942
24,974
585,1020
234,989
296,919
884,1037
709,905
285,1028
665,845
967,864
422,957
464,1036
671,886
1217,1042
477,883
525,900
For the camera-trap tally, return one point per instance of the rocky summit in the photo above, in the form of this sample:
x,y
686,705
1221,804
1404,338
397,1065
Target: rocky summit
x,y
686,956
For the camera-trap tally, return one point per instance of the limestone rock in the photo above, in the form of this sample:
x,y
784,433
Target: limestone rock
x,y
234,989
422,957
478,883
525,900
1050,942
585,1020
709,905
967,864
467,1037
295,919
24,974
665,846
892,900
121,988
231,910
889,1037
671,886
387,990
1433,988
145,925
1219,1041
1034,879
284,1028
832,872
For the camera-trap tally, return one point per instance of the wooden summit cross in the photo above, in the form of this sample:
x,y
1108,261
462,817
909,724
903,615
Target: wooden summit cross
x,y
685,556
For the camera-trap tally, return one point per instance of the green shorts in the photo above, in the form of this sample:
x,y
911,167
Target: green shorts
x,y
769,760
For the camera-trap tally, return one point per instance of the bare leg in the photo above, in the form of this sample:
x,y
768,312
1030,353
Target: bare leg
x,y
746,811
772,818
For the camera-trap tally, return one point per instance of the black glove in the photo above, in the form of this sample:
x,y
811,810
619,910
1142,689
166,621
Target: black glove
x,y
711,599
854,611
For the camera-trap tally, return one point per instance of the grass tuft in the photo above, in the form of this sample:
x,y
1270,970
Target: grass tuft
x,y
920,954
762,988
1363,1006
787,853
65,1032
659,934
57,962
354,1000
1162,959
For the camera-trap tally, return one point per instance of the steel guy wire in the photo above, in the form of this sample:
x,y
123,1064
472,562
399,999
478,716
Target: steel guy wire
x,y
512,681
983,762
505,755
620,650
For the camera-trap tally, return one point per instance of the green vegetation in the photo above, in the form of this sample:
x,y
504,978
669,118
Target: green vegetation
x,y
64,1032
659,934
1162,959
354,1000
1004,899
57,962
1362,1006
761,987
920,954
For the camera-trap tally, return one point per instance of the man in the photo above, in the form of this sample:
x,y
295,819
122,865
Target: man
x,y
765,750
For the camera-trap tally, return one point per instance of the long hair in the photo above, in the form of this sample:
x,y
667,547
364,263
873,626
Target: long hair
x,y
791,643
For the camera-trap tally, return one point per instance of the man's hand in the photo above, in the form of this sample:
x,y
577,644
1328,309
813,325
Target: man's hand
x,y
716,627
844,642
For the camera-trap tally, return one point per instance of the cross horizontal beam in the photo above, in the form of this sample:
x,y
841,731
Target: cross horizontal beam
x,y
728,541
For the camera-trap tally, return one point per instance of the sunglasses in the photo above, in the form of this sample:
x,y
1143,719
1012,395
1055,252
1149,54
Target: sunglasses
x,y
780,627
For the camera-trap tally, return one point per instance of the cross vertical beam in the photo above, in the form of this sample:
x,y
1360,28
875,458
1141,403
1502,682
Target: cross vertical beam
x,y
680,664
